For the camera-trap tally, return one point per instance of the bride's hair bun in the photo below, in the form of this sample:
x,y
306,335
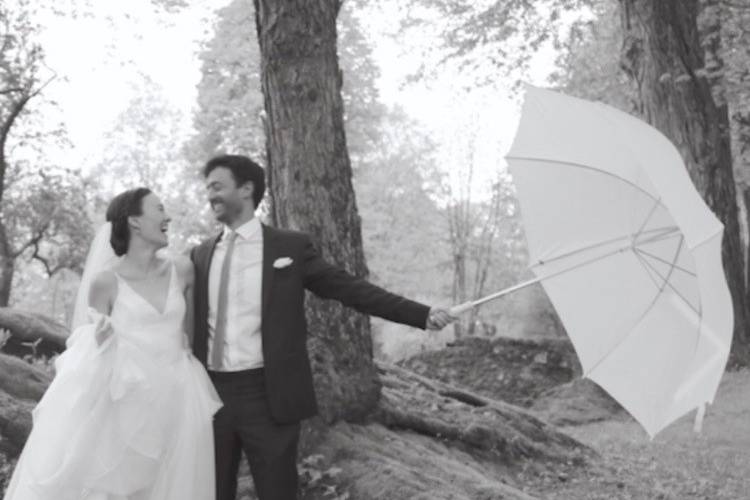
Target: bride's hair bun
x,y
121,207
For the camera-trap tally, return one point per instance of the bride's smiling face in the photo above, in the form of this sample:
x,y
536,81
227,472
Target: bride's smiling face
x,y
153,223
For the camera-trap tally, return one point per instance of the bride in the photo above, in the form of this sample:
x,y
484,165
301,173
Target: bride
x,y
129,413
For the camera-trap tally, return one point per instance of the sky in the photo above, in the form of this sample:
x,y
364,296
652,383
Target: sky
x,y
101,55
100,58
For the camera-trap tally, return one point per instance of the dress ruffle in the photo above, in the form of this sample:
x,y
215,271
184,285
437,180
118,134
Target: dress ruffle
x,y
118,420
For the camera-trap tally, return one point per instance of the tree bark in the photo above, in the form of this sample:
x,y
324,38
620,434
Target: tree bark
x,y
662,52
746,197
309,177
7,265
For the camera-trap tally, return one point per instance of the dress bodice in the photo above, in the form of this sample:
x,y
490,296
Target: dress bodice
x,y
135,319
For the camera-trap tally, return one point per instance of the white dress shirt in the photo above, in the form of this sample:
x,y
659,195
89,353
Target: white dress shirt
x,y
243,344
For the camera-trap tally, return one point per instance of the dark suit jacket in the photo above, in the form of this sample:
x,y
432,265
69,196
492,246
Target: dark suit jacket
x,y
289,381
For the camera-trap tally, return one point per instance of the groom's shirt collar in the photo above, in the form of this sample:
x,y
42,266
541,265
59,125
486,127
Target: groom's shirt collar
x,y
247,231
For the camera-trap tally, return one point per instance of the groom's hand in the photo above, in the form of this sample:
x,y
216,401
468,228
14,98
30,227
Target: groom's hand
x,y
438,318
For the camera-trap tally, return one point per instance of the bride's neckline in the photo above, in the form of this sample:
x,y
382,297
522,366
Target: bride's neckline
x,y
166,294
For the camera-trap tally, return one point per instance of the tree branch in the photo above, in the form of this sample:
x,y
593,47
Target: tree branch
x,y
45,262
33,242
10,90
734,5
16,110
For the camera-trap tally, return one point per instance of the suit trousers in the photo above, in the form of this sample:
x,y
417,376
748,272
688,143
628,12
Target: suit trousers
x,y
244,424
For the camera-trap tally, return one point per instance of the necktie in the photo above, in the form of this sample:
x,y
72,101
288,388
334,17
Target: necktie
x,y
217,354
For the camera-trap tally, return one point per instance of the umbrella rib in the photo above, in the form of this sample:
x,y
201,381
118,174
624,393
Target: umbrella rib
x,y
666,230
627,335
538,279
648,309
648,218
649,272
665,261
583,166
673,288
664,235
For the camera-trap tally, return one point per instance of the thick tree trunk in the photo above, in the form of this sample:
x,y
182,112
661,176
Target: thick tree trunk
x,y
310,184
663,54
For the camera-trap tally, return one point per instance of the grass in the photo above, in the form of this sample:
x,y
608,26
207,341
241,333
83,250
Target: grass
x,y
678,464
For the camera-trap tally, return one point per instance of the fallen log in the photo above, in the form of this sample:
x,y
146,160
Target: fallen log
x,y
32,333
432,408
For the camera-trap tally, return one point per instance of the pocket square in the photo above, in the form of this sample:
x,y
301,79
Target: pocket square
x,y
282,262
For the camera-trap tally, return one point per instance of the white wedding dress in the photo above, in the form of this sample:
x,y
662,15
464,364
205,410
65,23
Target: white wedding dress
x,y
130,419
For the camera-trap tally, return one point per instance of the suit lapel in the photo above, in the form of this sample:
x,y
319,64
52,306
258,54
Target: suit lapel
x,y
269,254
203,263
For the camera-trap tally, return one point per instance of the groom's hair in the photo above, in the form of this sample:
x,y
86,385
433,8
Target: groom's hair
x,y
243,170
121,207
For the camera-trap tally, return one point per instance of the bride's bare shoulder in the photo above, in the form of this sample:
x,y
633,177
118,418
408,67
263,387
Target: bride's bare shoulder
x,y
104,284
105,278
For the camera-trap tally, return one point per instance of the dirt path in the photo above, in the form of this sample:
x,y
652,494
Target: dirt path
x,y
678,464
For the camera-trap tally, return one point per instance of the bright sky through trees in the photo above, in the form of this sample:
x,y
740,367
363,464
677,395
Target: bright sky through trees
x,y
102,53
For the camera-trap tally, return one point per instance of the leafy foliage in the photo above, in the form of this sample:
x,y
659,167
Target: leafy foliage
x,y
41,209
230,102
589,63
142,148
488,39
45,213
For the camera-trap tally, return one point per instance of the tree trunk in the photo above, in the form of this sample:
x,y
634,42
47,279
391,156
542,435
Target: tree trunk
x,y
7,266
7,269
461,327
309,177
746,196
662,51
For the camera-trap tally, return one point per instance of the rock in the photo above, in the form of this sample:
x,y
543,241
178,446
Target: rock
x,y
22,380
430,440
15,423
21,386
578,402
512,370
377,463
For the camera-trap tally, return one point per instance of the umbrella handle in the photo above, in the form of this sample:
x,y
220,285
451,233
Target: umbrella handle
x,y
460,308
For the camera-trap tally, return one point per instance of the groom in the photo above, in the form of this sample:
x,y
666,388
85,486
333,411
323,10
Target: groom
x,y
250,328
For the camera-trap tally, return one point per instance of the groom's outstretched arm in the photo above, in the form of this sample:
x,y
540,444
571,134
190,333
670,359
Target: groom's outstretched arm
x,y
332,282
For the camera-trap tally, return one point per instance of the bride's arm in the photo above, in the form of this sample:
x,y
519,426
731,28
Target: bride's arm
x,y
101,296
187,278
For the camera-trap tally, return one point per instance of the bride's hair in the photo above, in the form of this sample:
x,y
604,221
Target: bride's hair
x,y
121,207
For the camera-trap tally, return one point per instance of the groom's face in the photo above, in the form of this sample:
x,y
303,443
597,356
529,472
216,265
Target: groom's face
x,y
225,197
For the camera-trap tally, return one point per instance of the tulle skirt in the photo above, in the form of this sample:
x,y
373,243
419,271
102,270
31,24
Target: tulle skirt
x,y
120,422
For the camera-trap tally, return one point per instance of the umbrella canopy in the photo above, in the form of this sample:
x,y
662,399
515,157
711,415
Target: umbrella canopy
x,y
627,251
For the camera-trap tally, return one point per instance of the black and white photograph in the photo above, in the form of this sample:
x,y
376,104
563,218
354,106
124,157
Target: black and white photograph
x,y
375,250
